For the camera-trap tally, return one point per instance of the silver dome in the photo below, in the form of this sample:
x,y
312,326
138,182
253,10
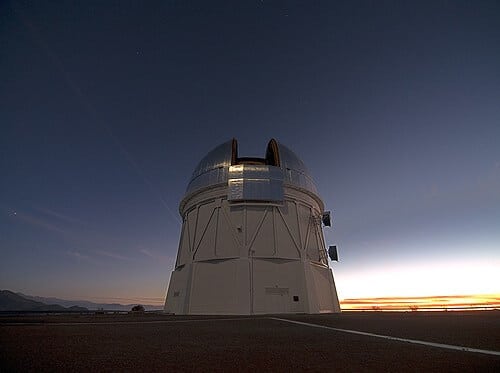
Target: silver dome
x,y
213,169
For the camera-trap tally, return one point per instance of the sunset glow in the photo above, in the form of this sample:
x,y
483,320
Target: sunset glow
x,y
423,303
419,279
431,303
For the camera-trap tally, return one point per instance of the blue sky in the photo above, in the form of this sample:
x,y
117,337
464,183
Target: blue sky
x,y
107,108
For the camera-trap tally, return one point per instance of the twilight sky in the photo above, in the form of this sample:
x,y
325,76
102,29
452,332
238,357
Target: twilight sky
x,y
106,108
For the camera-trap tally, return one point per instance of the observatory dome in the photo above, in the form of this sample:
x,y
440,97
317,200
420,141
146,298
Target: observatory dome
x,y
251,239
214,168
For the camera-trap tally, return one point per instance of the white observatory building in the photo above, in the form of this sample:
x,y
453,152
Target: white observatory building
x,y
252,239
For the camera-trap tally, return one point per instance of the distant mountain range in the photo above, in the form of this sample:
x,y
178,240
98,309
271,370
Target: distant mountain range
x,y
63,303
10,301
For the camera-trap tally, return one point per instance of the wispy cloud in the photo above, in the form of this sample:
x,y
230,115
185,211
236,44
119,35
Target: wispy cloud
x,y
113,255
37,221
155,255
59,216
81,257
77,254
147,252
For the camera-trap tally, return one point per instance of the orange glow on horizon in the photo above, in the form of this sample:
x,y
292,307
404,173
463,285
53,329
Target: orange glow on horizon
x,y
429,303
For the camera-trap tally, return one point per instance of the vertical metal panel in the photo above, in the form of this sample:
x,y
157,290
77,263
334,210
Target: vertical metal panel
x,y
255,183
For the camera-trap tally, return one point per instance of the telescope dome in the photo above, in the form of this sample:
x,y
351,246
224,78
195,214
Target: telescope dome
x,y
213,169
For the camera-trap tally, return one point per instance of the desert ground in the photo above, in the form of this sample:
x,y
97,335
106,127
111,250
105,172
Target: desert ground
x,y
156,342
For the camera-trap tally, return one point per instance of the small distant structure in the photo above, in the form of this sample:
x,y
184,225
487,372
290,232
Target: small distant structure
x,y
138,309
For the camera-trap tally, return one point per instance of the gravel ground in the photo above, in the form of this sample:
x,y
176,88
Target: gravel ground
x,y
196,343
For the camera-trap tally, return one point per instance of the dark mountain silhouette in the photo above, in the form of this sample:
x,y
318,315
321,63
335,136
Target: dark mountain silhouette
x,y
10,301
87,304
